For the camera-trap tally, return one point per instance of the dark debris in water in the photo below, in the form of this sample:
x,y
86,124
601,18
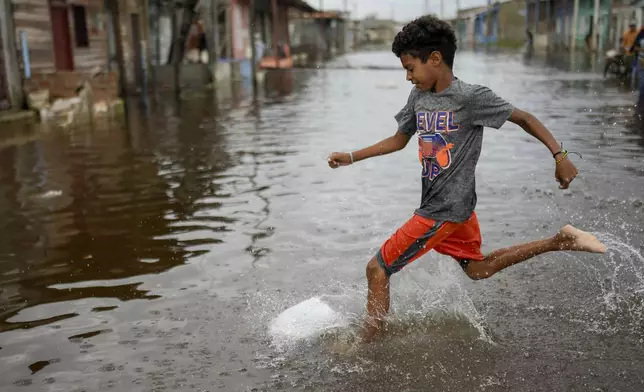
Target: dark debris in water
x,y
40,365
104,308
80,337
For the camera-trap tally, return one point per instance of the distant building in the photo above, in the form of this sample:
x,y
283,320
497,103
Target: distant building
x,y
58,44
326,31
624,13
378,31
467,26
502,23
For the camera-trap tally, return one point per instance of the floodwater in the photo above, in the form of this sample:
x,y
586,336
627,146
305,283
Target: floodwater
x,y
154,256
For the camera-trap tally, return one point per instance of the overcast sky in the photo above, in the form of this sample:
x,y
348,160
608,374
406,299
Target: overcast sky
x,y
402,10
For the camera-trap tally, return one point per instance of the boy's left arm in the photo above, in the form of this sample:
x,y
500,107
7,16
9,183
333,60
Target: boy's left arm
x,y
565,170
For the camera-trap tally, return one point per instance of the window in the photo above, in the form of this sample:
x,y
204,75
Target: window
x,y
80,26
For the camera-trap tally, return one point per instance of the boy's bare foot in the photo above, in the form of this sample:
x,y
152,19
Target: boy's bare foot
x,y
570,238
369,333
371,330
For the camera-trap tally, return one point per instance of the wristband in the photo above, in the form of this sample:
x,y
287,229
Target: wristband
x,y
565,154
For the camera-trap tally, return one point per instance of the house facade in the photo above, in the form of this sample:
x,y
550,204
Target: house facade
x,y
57,45
62,43
499,23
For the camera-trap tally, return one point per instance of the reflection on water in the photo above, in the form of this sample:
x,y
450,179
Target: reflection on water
x,y
100,205
107,204
153,254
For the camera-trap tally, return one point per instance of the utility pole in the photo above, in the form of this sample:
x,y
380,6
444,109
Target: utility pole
x,y
442,9
214,44
548,24
489,26
345,26
175,64
8,44
594,39
325,41
118,38
609,26
253,47
147,65
275,31
426,7
574,28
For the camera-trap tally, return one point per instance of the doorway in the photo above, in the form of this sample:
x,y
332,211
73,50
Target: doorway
x,y
62,38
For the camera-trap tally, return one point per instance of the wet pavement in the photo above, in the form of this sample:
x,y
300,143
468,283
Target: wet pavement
x,y
153,255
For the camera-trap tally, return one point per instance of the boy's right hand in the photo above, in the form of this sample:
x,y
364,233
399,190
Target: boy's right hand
x,y
338,159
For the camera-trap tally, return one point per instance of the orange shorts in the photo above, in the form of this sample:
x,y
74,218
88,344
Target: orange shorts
x,y
419,235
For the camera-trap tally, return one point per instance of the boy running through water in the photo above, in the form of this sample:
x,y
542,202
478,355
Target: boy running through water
x,y
449,116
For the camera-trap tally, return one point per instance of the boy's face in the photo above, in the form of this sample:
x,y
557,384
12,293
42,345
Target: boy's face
x,y
422,75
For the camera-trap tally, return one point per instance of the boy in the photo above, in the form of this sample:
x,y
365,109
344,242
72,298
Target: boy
x,y
449,116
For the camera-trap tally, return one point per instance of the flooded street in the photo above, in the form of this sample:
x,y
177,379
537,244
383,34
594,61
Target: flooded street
x,y
154,256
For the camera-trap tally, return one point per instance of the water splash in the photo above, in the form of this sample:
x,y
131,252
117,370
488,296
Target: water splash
x,y
305,320
620,278
439,293
432,299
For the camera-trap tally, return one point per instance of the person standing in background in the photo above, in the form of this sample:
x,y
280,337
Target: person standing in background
x,y
628,39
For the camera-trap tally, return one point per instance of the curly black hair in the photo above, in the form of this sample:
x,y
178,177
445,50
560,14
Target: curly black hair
x,y
424,35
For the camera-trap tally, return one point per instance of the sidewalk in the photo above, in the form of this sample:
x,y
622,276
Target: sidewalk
x,y
12,116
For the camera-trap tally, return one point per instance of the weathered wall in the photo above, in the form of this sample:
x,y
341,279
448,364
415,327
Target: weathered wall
x,y
33,17
127,8
512,23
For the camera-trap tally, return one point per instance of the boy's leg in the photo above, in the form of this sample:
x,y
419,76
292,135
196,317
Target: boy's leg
x,y
415,238
462,241
377,299
568,239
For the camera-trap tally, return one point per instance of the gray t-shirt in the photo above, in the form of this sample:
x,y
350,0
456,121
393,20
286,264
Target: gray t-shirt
x,y
450,134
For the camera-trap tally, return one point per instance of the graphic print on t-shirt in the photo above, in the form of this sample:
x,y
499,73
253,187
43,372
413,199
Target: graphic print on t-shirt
x,y
433,148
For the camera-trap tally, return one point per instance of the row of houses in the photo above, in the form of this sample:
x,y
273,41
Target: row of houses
x,y
571,24
372,31
125,46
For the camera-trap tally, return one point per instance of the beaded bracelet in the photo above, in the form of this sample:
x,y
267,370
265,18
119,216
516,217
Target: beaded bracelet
x,y
558,152
565,154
